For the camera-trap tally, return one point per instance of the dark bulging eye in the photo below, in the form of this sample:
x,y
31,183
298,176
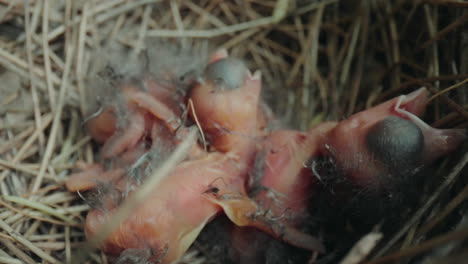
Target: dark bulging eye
x,y
398,143
228,73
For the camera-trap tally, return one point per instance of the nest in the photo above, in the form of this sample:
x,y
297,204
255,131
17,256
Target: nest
x,y
320,60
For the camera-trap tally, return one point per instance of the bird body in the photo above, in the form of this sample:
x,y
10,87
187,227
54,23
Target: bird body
x,y
373,150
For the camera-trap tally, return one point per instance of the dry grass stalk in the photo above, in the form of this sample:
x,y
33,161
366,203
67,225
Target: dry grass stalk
x,y
320,60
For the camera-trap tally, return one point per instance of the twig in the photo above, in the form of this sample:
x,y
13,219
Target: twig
x,y
446,90
55,124
27,243
362,248
45,48
36,215
9,260
32,79
211,33
79,58
460,21
20,167
143,28
454,203
194,113
18,252
429,202
38,206
423,247
350,53
7,59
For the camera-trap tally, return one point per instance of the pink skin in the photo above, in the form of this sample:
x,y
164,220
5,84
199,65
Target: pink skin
x,y
147,111
285,175
264,113
228,116
214,108
175,212
289,184
215,111
91,176
159,103
347,141
103,126
212,183
164,93
125,138
200,189
161,118
154,106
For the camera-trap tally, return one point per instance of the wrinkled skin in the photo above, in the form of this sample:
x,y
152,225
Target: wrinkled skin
x,y
374,151
285,177
151,116
199,188
371,149
173,215
185,201
377,147
284,188
145,106
226,121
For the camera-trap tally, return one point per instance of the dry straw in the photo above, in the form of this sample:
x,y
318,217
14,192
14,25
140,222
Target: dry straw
x,y
320,60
